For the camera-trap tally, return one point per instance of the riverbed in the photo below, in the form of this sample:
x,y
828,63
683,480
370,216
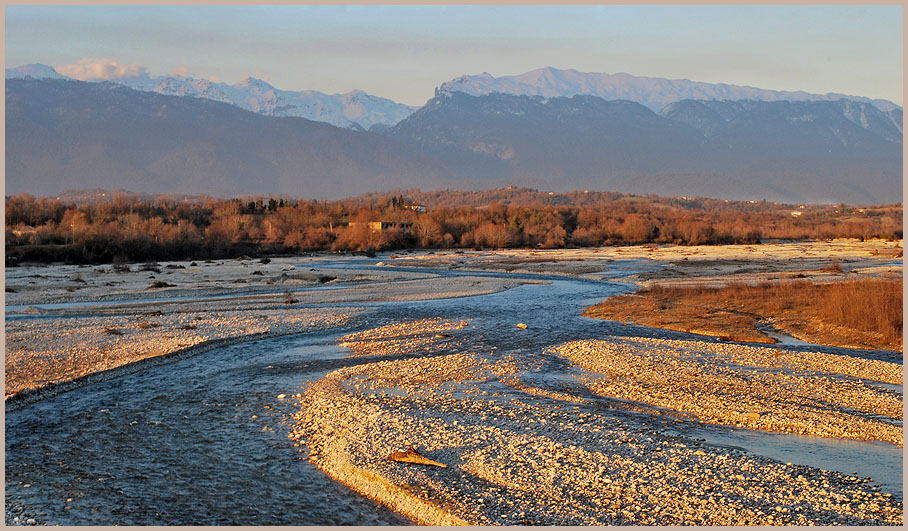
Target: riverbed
x,y
203,440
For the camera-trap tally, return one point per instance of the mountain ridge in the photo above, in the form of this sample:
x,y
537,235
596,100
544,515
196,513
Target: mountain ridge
x,y
359,110
355,109
72,134
793,151
652,92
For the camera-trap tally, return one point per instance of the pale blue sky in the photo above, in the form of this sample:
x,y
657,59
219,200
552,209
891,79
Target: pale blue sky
x,y
404,52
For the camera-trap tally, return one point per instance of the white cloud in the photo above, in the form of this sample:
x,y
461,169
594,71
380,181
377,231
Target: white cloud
x,y
91,69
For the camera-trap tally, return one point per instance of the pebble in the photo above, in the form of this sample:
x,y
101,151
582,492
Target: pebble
x,y
707,380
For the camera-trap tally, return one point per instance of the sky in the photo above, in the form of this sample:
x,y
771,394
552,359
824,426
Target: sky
x,y
404,52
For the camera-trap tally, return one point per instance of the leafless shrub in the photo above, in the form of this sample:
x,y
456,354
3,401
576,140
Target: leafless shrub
x,y
835,266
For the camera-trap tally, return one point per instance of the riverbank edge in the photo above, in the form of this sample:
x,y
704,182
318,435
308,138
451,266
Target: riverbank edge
x,y
337,463
377,488
32,395
36,394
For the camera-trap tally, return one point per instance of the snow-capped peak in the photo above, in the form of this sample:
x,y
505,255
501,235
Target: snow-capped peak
x,y
252,82
36,71
356,109
653,92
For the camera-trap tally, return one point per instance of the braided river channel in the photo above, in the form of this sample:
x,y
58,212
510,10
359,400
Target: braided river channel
x,y
200,441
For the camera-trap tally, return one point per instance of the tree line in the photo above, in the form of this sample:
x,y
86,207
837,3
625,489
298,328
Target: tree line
x,y
126,228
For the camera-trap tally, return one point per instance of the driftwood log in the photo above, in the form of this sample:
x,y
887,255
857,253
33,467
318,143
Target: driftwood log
x,y
412,456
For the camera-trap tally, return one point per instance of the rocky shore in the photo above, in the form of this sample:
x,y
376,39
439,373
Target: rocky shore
x,y
578,433
681,265
51,351
807,393
102,322
404,338
514,457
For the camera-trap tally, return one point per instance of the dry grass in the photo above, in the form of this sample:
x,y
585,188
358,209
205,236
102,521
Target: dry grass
x,y
865,313
680,314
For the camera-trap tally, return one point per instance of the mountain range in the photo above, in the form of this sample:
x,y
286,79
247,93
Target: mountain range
x,y
652,92
70,134
816,151
355,109
358,110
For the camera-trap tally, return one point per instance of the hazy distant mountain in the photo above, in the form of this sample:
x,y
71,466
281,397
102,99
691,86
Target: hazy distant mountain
x,y
35,71
68,134
546,142
824,151
71,134
810,120
652,92
355,109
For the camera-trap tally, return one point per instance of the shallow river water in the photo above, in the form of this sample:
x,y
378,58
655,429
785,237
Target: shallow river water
x,y
200,442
